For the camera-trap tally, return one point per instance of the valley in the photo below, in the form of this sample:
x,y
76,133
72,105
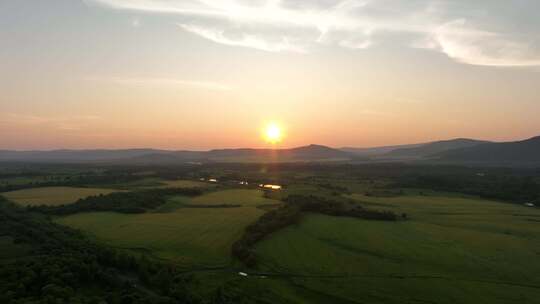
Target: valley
x,y
441,243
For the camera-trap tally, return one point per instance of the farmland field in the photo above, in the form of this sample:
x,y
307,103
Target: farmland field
x,y
154,182
458,246
52,195
244,197
186,236
182,183
452,250
138,184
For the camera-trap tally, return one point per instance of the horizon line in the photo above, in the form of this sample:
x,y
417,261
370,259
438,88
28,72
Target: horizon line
x,y
256,148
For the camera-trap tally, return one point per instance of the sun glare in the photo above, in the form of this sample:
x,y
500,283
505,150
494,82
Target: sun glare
x,y
273,133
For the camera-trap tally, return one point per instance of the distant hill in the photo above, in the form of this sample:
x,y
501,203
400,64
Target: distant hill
x,y
165,157
75,155
433,148
456,150
151,156
306,153
505,152
377,151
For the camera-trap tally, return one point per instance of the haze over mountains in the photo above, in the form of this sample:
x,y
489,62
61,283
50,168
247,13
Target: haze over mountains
x,y
374,151
524,151
455,150
433,148
306,153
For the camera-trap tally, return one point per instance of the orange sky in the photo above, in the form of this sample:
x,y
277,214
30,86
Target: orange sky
x,y
108,74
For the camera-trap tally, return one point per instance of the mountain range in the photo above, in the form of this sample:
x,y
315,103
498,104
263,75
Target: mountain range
x,y
518,151
464,150
433,148
460,150
153,156
377,151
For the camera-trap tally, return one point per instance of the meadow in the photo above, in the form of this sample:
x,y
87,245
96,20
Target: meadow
x,y
187,236
148,182
52,195
451,250
182,183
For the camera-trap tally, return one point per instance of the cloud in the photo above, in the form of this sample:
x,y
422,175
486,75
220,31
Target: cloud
x,y
273,25
244,39
470,32
166,83
468,45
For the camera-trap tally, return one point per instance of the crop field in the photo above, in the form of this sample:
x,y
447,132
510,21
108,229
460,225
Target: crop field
x,y
138,184
244,197
187,236
182,183
451,250
52,195
155,182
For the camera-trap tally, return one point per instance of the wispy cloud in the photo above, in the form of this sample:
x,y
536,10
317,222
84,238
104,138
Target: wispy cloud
x,y
243,39
471,46
272,25
299,25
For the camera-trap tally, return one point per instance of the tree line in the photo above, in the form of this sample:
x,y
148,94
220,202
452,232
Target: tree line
x,y
291,212
509,188
123,202
70,181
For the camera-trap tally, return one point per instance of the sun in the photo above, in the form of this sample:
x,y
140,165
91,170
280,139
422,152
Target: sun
x,y
273,133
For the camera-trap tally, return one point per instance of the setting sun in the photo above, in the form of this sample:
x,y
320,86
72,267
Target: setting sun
x,y
273,133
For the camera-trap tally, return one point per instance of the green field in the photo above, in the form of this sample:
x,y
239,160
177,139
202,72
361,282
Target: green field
x,y
155,182
244,197
52,195
200,237
452,250
182,183
138,184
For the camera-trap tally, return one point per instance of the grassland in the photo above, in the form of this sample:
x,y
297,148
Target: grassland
x,y
52,195
452,250
182,183
191,237
143,183
156,182
244,197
